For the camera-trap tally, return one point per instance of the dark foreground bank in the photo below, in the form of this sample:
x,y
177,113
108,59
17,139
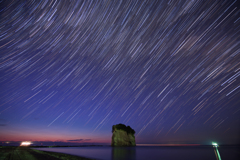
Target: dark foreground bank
x,y
25,153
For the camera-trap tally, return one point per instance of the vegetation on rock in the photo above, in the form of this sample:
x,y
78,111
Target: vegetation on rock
x,y
123,127
122,136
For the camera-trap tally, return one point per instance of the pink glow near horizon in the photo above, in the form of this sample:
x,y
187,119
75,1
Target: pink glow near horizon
x,y
168,144
53,138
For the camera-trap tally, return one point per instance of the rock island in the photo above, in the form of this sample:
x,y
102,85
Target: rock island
x,y
122,135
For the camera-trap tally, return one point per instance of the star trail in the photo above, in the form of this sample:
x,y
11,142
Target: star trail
x,y
72,69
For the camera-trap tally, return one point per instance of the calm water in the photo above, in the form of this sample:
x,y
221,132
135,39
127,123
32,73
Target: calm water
x,y
150,153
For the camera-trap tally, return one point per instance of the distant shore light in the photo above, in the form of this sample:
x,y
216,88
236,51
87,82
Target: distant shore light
x,y
26,143
215,144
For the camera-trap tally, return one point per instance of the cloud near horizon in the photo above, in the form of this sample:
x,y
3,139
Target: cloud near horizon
x,y
78,140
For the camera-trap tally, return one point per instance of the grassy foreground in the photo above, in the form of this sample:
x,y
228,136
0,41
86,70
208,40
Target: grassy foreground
x,y
26,153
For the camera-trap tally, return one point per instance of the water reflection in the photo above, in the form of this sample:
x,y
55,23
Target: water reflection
x,y
123,153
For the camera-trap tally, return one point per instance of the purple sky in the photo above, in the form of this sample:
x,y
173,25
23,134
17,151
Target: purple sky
x,y
71,70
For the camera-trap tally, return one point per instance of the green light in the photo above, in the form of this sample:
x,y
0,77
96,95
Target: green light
x,y
216,151
218,154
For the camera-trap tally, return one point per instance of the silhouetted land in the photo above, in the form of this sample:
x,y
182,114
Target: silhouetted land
x,y
26,153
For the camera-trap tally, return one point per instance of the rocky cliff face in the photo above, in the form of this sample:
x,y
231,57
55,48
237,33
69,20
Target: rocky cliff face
x,y
123,136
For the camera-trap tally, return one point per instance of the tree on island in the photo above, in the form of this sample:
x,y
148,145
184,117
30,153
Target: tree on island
x,y
123,127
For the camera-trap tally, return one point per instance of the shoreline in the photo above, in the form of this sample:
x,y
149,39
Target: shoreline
x,y
27,153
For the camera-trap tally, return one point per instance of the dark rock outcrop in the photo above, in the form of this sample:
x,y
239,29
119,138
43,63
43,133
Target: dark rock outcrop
x,y
123,135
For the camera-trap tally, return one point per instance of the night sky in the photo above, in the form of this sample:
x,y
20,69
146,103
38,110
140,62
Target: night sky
x,y
69,70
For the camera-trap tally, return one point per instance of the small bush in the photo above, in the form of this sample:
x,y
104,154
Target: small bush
x,y
123,127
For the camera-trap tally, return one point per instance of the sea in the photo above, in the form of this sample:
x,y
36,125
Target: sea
x,y
152,152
